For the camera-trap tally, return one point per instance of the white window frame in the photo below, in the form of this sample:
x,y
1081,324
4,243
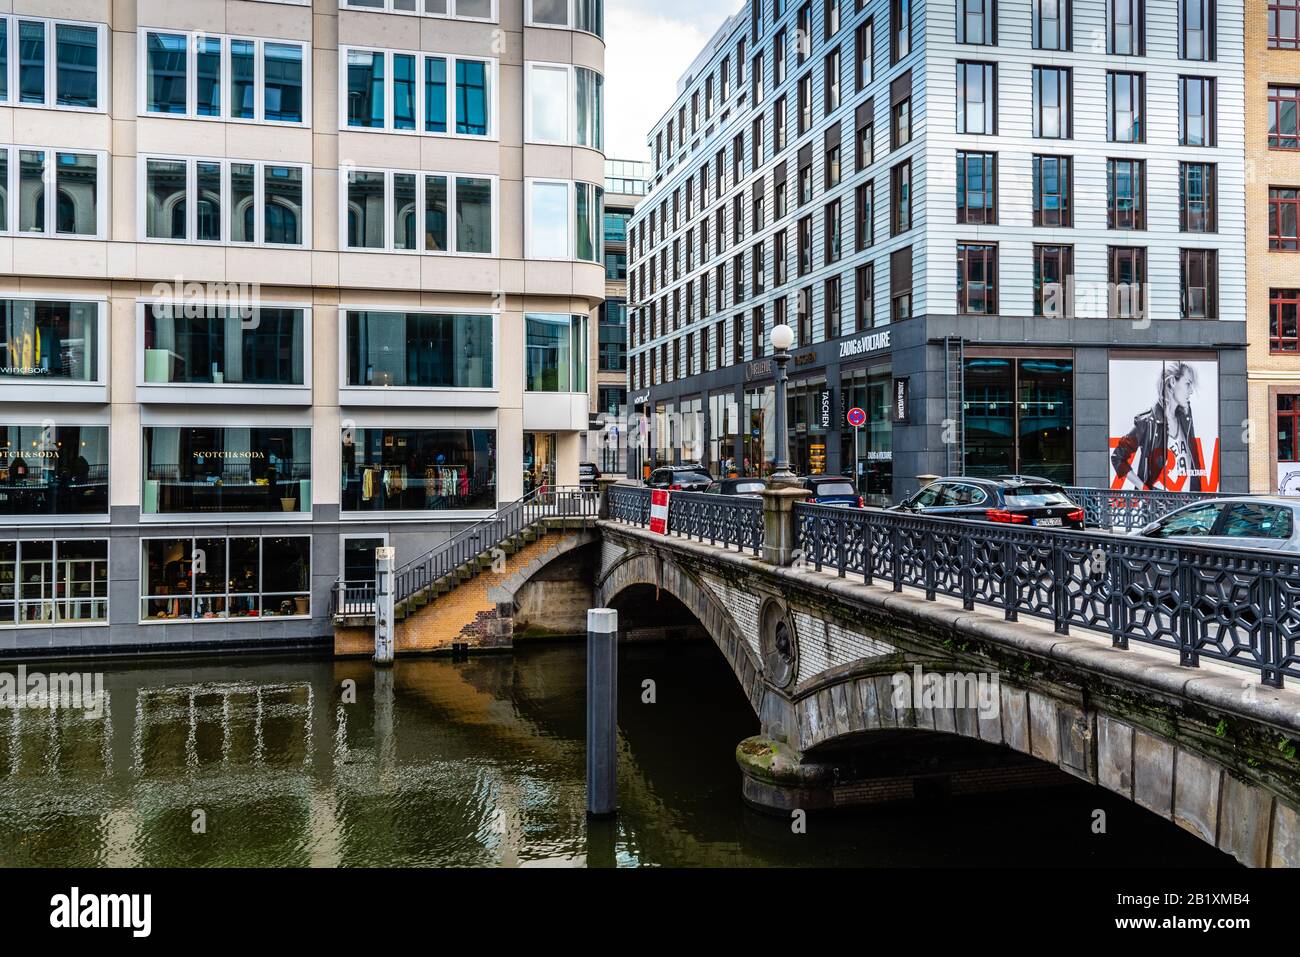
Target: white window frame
x,y
419,175
56,622
191,207
142,585
387,6
279,418
572,222
33,415
51,64
447,394
192,79
570,24
343,541
570,103
494,98
49,177
231,390
19,389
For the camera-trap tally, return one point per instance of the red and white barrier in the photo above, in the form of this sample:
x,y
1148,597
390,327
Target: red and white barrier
x,y
659,511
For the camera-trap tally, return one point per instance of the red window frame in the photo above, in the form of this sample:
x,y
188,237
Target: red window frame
x,y
1278,95
1277,41
1282,199
1278,301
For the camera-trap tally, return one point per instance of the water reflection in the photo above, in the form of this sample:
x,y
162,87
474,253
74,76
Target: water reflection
x,y
323,763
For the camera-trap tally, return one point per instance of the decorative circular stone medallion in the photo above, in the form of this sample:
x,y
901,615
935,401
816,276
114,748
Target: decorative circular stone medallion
x,y
779,643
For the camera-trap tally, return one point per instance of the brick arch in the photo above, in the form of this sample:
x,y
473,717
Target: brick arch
x,y
1193,789
647,568
562,545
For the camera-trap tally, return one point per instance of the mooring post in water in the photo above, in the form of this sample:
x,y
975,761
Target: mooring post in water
x,y
602,711
385,565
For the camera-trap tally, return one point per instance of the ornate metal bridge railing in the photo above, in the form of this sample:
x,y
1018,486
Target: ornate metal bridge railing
x,y
729,520
1240,606
1125,510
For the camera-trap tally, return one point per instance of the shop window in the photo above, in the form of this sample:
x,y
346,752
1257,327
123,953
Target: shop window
x,y
1018,416
418,469
218,578
200,469
50,470
54,582
49,340
419,350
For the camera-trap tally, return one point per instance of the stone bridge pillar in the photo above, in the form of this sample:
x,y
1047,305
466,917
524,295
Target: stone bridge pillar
x,y
778,523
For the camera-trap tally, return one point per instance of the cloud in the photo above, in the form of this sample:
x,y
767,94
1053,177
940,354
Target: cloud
x,y
648,45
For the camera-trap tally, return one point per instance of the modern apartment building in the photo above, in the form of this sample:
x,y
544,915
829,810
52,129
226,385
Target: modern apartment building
x,y
625,185
1010,231
1273,242
318,277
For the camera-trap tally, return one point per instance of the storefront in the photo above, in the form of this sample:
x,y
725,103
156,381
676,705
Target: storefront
x,y
54,470
201,469
809,412
418,470
539,460
1018,414
871,446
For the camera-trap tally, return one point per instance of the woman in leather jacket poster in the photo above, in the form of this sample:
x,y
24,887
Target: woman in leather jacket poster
x,y
1169,444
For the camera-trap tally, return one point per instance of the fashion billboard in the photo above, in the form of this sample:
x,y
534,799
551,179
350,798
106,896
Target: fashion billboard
x,y
1164,424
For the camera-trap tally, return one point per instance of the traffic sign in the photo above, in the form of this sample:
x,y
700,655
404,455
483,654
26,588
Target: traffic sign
x,y
857,417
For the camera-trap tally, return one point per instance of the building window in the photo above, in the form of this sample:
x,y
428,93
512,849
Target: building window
x,y
1127,276
1053,187
832,18
863,39
219,578
1283,111
1196,38
233,78
864,284
1052,102
1197,117
1199,281
585,15
1054,281
805,245
779,121
756,329
1283,217
555,353
864,215
418,470
406,92
1126,96
755,146
977,179
565,105
192,200
804,318
1197,203
900,29
52,63
1285,434
52,469
831,80
900,284
864,147
188,343
1284,24
805,103
831,164
780,250
977,22
564,221
805,175
53,582
459,9
738,338
1126,35
977,98
756,80
382,210
1284,310
832,240
977,289
423,350
831,307
1125,194
1051,26
803,34
50,340
192,470
900,123
57,192
758,268
1025,418
778,59
900,191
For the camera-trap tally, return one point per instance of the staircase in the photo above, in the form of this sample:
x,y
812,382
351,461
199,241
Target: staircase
x,y
451,576
954,402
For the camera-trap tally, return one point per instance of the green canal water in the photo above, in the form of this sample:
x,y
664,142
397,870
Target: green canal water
x,y
270,761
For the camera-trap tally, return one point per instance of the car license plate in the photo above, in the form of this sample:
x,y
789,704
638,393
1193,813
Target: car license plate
x,y
1047,521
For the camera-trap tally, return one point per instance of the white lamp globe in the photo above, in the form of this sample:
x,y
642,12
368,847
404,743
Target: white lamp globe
x,y
782,337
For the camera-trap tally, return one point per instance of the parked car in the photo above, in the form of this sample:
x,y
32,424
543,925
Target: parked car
x,y
831,490
680,478
1009,499
587,473
1255,522
751,487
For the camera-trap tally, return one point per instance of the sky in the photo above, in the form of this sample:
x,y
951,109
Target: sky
x,y
648,43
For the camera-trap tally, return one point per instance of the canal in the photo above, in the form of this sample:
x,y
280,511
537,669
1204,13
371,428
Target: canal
x,y
310,761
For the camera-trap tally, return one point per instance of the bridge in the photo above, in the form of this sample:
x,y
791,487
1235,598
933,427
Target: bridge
x,y
888,655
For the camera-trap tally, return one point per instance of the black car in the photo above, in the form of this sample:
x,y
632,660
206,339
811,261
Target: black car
x,y
1009,499
681,478
751,487
587,473
831,490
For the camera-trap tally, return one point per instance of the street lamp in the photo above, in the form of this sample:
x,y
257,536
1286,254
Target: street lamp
x,y
782,340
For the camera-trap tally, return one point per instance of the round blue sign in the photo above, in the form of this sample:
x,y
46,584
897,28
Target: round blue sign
x,y
857,417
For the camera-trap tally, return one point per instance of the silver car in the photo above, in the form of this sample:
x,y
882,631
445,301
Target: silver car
x,y
1257,522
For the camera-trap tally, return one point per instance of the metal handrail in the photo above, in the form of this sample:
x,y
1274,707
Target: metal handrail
x,y
728,520
1130,509
563,501
350,598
